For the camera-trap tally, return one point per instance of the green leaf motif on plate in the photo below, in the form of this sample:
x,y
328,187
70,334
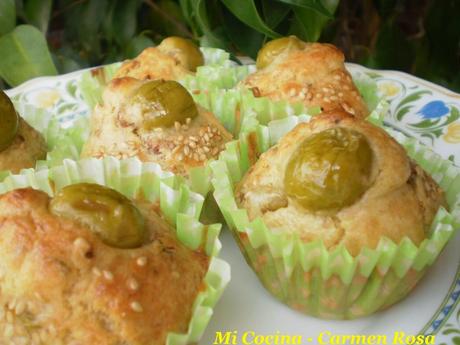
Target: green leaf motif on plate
x,y
401,111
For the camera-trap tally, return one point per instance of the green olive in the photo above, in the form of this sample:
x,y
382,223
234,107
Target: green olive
x,y
184,50
272,49
164,103
329,170
9,122
111,215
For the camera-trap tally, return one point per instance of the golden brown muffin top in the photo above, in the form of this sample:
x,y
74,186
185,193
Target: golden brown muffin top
x,y
152,63
62,285
315,75
400,201
117,130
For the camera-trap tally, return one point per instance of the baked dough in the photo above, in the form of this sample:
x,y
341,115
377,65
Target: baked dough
x,y
152,64
401,201
116,130
28,147
314,76
60,284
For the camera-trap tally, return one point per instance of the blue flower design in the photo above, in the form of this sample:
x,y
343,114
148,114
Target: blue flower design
x,y
434,110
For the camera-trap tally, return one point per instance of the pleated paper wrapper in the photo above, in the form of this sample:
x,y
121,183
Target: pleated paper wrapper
x,y
179,205
306,276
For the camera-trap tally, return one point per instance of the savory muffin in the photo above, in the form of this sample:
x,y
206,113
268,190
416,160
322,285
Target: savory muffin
x,y
343,181
157,121
90,266
20,144
311,73
173,59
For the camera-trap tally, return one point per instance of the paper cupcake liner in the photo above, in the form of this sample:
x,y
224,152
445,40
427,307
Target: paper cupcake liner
x,y
67,144
331,283
61,142
179,205
93,81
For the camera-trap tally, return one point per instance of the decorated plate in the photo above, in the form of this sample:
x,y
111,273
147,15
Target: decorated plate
x,y
247,314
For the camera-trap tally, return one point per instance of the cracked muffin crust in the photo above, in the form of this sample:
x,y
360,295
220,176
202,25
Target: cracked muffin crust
x,y
400,201
62,285
314,75
118,129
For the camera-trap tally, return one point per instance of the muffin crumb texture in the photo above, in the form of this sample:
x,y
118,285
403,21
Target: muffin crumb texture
x,y
401,201
62,285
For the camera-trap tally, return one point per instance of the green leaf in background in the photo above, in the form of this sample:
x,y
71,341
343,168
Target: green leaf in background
x,y
166,19
246,40
274,12
137,45
125,20
7,16
310,23
83,24
25,55
316,5
392,49
38,13
210,37
246,11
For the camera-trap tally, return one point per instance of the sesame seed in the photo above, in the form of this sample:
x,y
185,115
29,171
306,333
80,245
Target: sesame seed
x,y
186,150
192,144
108,275
337,77
177,125
133,284
188,120
81,246
9,317
136,306
340,94
52,329
9,331
97,272
141,261
20,308
202,157
12,304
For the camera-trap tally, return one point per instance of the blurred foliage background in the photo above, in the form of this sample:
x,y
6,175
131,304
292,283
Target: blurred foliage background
x,y
47,37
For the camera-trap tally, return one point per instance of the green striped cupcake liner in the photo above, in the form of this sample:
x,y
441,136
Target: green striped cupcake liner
x,y
179,205
324,283
61,142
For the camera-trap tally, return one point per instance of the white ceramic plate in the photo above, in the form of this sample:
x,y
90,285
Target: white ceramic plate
x,y
418,108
